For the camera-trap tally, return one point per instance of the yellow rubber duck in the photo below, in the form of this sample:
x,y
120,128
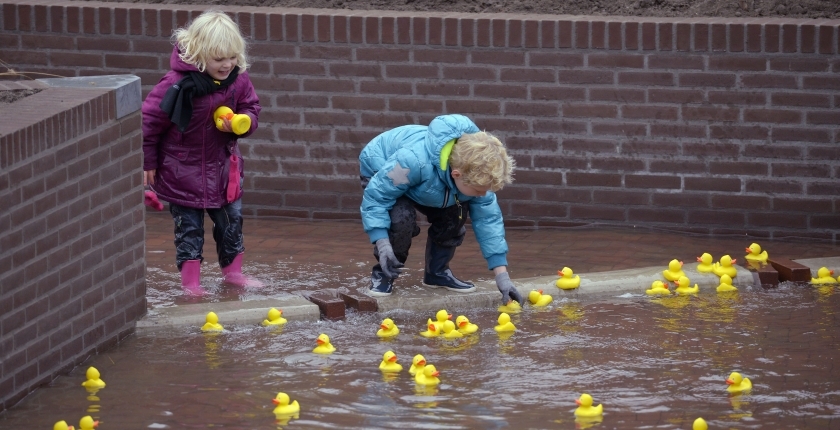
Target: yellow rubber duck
x,y
212,323
87,423
737,383
239,123
512,307
387,328
417,364
389,362
585,408
682,285
699,424
62,425
537,298
824,276
324,345
658,288
428,377
283,406
274,317
431,332
726,285
725,267
450,332
674,270
504,324
705,263
568,280
755,253
465,326
440,317
93,380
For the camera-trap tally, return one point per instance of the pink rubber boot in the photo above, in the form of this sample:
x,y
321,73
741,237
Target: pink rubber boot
x,y
191,278
233,275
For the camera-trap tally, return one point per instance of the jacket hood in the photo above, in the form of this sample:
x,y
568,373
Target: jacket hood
x,y
440,137
177,64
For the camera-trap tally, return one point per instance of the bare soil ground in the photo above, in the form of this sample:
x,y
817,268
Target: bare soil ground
x,y
668,8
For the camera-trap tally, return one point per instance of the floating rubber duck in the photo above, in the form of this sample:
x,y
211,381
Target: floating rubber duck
x,y
585,408
440,317
725,267
283,406
537,298
755,253
417,364
389,362
726,285
705,263
432,331
93,380
737,383
324,345
504,324
568,280
62,425
450,332
699,424
824,276
387,328
512,307
212,323
658,288
87,423
674,270
465,326
428,377
683,287
274,317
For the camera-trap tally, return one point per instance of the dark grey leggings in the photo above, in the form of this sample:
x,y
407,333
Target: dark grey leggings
x,y
189,232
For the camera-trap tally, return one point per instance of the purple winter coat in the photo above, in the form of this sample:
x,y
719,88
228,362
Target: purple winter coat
x,y
192,167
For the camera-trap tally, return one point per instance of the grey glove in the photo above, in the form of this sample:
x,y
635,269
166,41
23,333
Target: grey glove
x,y
506,287
387,260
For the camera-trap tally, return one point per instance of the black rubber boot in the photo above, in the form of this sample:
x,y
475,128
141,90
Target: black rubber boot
x,y
380,284
438,274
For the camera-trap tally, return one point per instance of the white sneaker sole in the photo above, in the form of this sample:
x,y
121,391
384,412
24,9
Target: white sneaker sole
x,y
457,290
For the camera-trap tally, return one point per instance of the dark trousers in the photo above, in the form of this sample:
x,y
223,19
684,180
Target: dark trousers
x,y
189,232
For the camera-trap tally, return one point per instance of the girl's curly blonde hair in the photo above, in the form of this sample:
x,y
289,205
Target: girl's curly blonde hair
x,y
212,35
483,161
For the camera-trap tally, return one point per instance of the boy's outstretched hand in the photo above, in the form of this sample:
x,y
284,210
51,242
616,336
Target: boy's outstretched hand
x,y
506,287
387,260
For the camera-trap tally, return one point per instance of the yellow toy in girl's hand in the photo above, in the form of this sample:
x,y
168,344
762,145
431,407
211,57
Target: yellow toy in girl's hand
x,y
388,328
683,286
512,307
824,276
417,364
705,263
62,425
93,380
428,377
324,345
283,406
465,326
568,280
504,324
737,383
537,298
725,267
726,285
87,423
756,254
450,332
674,270
212,323
274,317
658,288
585,408
389,363
239,123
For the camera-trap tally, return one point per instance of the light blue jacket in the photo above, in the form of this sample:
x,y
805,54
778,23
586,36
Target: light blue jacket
x,y
406,161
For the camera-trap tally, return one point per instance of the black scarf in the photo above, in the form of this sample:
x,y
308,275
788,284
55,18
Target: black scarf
x,y
177,102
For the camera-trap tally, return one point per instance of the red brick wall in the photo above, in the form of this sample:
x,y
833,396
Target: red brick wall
x,y
72,260
708,125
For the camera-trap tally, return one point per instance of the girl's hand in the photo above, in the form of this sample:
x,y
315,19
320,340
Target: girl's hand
x,y
226,127
148,177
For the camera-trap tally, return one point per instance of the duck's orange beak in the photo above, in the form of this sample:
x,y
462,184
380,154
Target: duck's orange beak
x,y
559,273
421,363
449,316
681,263
463,323
95,424
729,381
436,373
275,401
539,291
830,272
384,327
665,285
577,402
319,342
734,260
748,250
394,358
699,260
432,327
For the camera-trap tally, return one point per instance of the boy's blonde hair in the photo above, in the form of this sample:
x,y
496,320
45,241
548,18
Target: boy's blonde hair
x,y
210,36
483,161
